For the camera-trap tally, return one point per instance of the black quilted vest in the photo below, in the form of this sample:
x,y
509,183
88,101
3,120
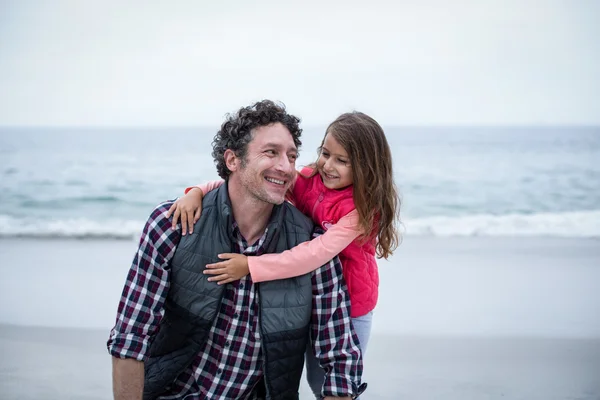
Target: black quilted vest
x,y
192,303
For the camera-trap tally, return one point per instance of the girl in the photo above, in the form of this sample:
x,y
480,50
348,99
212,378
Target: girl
x,y
351,194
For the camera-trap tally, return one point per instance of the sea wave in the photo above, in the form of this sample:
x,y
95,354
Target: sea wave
x,y
72,228
580,224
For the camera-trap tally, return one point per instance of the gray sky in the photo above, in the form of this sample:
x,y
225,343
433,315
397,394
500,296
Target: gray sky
x,y
404,62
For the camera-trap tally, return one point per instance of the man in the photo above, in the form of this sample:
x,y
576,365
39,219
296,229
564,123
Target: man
x,y
179,336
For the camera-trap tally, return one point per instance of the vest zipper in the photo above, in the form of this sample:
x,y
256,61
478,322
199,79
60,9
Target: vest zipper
x,y
262,342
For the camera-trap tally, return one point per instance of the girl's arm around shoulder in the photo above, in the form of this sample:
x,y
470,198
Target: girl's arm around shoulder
x,y
307,256
187,209
206,187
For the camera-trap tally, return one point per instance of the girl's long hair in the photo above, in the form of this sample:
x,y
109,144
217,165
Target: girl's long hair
x,y
375,194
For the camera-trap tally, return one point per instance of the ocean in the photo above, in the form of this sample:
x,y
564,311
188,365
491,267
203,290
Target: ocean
x,y
454,181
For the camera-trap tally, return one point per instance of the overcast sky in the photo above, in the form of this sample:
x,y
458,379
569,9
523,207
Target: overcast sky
x,y
85,62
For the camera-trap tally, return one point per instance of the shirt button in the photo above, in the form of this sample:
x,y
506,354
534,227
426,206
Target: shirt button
x,y
241,285
219,371
236,315
227,343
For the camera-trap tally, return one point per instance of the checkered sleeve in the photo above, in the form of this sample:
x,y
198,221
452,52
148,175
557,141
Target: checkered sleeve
x,y
334,342
141,306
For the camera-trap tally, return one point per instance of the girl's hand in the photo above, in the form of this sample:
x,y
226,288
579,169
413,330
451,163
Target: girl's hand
x,y
233,268
188,208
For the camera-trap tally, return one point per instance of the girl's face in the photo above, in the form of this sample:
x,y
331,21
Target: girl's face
x,y
333,164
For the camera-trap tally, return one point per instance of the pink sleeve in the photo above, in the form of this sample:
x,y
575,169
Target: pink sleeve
x,y
206,187
307,256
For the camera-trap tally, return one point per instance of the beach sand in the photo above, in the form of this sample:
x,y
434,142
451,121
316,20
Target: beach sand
x,y
458,318
59,363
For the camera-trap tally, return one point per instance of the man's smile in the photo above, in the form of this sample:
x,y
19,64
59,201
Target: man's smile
x,y
275,180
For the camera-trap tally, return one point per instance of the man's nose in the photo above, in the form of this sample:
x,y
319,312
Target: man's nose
x,y
285,165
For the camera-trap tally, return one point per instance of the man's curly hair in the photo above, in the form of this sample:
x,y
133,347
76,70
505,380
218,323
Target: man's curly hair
x,y
237,131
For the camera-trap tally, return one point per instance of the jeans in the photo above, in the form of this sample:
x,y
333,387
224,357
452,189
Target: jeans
x,y
315,374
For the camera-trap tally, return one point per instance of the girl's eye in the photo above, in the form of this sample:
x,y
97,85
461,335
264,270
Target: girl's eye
x,y
343,161
324,154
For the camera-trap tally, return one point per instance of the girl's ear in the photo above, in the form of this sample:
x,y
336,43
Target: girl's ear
x,y
231,160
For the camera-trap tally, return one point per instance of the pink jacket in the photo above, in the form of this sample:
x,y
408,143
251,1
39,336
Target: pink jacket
x,y
326,207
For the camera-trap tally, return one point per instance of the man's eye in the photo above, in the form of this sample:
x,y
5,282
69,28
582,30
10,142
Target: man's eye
x,y
270,152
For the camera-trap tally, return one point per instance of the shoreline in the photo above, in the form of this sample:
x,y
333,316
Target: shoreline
x,y
448,286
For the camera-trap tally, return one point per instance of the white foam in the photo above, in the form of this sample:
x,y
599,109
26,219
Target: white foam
x,y
580,224
80,228
568,224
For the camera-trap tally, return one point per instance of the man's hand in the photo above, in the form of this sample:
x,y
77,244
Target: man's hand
x,y
128,379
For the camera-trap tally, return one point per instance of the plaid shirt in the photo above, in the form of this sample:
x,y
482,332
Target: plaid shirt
x,y
230,364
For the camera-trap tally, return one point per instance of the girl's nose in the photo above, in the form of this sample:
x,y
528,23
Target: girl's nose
x,y
328,165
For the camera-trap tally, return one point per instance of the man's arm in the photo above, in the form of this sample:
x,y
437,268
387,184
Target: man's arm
x,y
335,344
142,304
128,379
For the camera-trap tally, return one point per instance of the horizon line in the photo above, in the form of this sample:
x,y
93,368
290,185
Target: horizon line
x,y
394,125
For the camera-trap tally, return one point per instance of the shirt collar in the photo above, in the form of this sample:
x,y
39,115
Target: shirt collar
x,y
243,244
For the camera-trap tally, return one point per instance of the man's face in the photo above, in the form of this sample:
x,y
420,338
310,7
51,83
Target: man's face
x,y
270,165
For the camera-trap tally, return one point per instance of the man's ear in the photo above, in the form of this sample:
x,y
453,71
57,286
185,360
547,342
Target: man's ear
x,y
231,160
